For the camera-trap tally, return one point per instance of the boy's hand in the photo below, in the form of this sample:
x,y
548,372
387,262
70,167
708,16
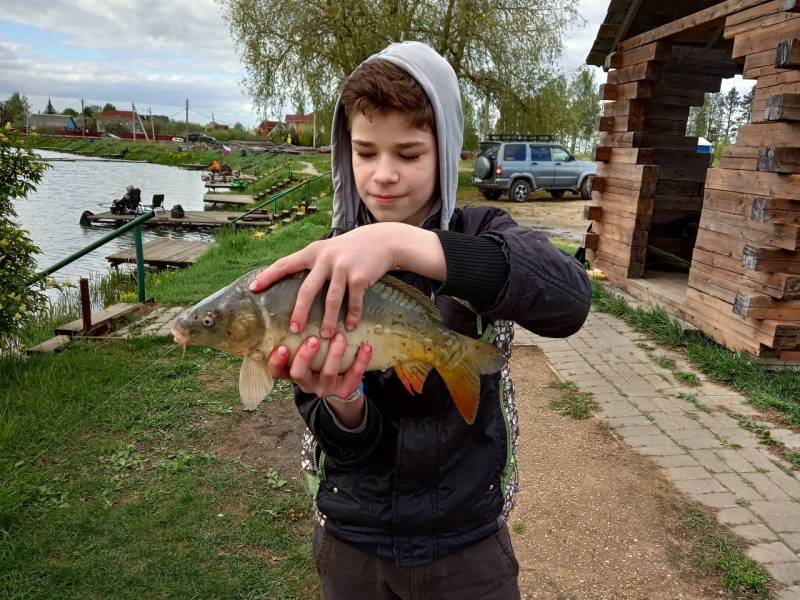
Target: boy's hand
x,y
328,381
351,262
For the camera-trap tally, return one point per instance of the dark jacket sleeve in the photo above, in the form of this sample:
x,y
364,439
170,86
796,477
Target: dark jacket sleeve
x,y
545,290
345,446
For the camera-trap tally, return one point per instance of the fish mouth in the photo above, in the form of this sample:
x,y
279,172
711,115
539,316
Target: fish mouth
x,y
180,337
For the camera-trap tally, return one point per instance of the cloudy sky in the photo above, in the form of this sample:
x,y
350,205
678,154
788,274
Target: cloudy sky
x,y
155,54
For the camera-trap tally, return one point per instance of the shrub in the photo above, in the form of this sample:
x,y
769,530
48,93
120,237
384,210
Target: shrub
x,y
20,170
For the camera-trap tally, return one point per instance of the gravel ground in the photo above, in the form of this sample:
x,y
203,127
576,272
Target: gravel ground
x,y
592,519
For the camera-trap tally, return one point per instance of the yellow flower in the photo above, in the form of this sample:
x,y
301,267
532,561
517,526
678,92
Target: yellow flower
x,y
259,234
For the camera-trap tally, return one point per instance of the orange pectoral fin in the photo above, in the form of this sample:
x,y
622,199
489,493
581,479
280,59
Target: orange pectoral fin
x,y
413,375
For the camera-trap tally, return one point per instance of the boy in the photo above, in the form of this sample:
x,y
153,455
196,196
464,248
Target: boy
x,y
412,501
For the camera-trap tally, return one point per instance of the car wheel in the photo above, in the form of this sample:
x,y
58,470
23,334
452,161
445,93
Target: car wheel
x,y
556,193
520,190
491,194
586,188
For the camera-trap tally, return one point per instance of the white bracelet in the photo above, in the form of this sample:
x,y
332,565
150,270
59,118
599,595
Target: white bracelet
x,y
351,398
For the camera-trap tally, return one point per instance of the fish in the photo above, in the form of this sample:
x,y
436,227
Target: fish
x,y
403,326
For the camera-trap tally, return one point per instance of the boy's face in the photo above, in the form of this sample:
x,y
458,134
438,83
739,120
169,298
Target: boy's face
x,y
395,167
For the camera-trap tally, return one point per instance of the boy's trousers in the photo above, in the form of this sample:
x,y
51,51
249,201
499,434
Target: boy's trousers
x,y
484,571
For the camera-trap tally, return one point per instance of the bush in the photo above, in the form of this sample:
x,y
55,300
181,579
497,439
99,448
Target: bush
x,y
19,172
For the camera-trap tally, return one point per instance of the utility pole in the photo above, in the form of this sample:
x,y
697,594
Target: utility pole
x,y
314,142
152,127
186,135
83,121
133,121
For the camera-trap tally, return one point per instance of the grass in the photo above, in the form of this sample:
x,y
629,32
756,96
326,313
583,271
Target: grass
x,y
572,402
711,550
778,391
109,489
692,399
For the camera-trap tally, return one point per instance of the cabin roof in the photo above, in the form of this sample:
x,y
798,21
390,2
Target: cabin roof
x,y
627,18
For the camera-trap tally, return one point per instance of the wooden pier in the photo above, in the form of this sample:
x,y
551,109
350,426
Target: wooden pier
x,y
237,199
191,219
164,253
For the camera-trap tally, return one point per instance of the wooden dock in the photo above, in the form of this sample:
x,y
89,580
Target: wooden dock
x,y
164,253
101,319
237,199
191,219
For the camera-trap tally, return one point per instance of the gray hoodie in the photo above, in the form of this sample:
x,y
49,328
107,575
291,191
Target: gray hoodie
x,y
439,81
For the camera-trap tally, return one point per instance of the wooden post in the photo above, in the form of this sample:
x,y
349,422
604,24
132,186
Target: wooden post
x,y
86,306
779,160
782,107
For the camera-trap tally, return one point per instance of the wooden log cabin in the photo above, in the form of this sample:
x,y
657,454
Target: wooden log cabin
x,y
658,203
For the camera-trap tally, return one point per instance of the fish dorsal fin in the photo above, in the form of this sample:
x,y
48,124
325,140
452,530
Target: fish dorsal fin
x,y
413,375
409,290
255,382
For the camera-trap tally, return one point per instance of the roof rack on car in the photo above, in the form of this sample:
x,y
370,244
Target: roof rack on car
x,y
521,137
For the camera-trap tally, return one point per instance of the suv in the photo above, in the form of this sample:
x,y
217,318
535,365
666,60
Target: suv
x,y
519,164
200,137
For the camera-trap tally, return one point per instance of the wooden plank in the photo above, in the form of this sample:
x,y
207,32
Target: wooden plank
x,y
764,38
732,31
634,108
166,252
626,91
100,318
772,334
782,107
704,19
638,72
787,55
191,218
752,14
759,306
756,183
592,213
659,51
590,240
777,285
770,259
626,123
775,210
779,159
54,344
743,228
238,199
635,156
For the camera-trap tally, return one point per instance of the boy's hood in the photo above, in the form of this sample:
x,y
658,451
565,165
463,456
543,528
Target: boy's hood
x,y
439,81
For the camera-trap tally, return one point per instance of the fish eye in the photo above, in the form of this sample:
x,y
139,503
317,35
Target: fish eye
x,y
208,321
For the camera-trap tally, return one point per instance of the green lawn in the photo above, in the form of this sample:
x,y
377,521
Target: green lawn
x,y
108,490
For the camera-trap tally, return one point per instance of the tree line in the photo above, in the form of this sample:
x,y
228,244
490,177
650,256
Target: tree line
x,y
503,53
720,116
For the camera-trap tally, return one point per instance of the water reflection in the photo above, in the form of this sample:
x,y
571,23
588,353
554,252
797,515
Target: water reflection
x,y
69,187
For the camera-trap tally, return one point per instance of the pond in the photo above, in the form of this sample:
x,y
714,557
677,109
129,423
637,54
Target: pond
x,y
76,183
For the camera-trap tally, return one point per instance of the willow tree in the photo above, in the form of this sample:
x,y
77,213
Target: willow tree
x,y
501,49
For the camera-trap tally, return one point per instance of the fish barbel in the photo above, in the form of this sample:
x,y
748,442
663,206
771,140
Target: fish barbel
x,y
402,325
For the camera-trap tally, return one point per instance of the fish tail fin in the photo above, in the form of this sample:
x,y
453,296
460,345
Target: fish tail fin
x,y
463,379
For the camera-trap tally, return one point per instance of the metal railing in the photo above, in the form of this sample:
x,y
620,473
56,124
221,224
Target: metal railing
x,y
272,200
136,225
254,184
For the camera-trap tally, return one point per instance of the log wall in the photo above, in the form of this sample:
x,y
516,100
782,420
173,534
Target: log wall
x,y
739,223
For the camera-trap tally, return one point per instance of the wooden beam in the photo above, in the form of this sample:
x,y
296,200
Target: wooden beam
x,y
770,259
592,213
779,159
782,107
787,55
657,51
705,19
626,91
590,241
638,72
775,210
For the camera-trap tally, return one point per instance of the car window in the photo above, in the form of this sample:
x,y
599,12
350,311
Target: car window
x,y
489,150
541,153
560,154
514,152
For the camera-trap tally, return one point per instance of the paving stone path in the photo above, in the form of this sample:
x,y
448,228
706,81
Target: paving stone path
x,y
691,433
157,323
